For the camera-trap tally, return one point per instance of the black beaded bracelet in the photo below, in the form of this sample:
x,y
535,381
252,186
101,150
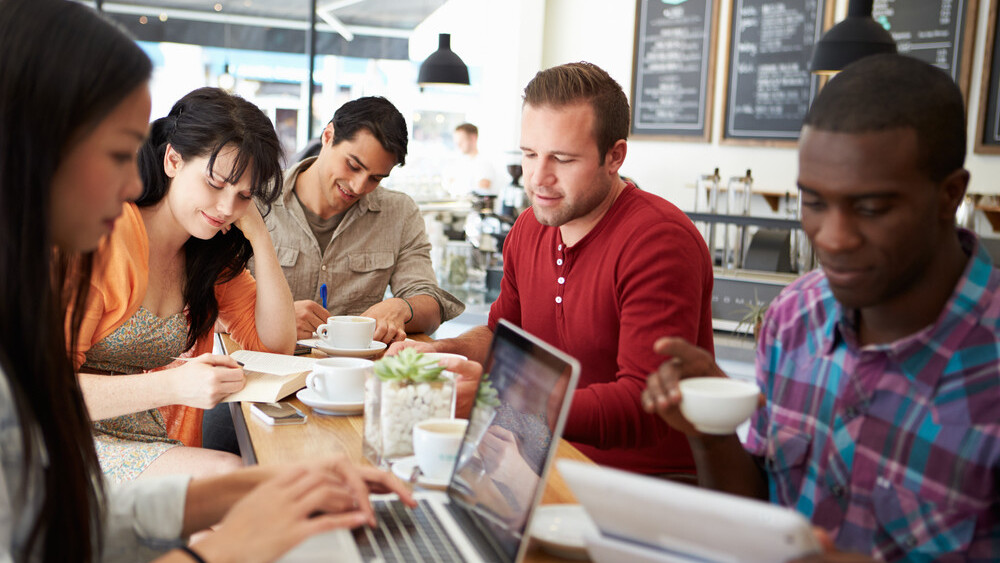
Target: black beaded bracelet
x,y
411,310
192,553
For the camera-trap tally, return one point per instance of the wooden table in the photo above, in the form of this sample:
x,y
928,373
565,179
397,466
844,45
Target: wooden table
x,y
323,435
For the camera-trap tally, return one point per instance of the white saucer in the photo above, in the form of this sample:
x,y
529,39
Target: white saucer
x,y
375,347
322,406
561,529
403,468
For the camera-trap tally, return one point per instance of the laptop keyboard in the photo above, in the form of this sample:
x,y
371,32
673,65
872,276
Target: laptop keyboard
x,y
405,535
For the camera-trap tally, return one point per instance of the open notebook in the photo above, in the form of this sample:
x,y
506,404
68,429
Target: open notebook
x,y
270,377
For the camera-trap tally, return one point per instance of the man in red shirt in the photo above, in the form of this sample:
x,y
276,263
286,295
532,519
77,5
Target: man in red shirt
x,y
599,269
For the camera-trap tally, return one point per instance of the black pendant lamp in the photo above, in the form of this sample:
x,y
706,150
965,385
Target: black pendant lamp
x,y
856,37
443,66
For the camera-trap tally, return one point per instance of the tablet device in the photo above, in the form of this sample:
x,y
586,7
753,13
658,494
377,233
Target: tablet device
x,y
643,518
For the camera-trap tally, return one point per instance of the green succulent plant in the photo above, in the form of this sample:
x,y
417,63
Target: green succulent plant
x,y
408,365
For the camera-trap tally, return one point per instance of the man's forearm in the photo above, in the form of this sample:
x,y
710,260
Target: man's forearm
x,y
474,344
426,314
724,465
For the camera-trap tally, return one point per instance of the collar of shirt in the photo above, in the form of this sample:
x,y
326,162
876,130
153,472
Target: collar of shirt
x,y
917,350
595,232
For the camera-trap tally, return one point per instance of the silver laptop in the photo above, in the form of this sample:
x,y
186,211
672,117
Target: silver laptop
x,y
485,512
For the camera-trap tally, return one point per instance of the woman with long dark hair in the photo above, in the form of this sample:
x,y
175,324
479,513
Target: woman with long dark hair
x,y
74,110
176,263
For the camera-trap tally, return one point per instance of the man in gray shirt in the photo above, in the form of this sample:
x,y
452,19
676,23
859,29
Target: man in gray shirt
x,y
334,225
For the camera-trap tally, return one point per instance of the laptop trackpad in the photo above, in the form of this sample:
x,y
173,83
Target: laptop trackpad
x,y
338,544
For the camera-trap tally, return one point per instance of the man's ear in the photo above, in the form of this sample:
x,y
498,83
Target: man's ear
x,y
953,189
327,136
172,161
615,156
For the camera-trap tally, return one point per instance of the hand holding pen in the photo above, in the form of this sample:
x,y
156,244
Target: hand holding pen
x,y
204,381
309,314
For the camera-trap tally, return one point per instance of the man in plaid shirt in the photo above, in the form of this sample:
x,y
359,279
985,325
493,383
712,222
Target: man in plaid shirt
x,y
881,369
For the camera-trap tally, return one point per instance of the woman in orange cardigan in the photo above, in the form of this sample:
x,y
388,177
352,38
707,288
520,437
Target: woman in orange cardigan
x,y
171,268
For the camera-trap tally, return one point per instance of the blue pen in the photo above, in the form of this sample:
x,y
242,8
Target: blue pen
x,y
322,294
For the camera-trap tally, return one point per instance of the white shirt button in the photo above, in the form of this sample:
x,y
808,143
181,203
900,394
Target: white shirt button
x,y
559,247
558,299
559,262
561,279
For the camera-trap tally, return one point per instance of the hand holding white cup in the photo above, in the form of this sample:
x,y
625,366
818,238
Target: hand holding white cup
x,y
717,405
435,444
347,332
340,379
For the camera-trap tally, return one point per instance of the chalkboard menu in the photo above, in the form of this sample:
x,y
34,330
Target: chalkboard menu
x,y
988,129
939,32
672,68
768,85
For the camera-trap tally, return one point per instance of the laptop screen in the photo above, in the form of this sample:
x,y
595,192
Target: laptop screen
x,y
513,428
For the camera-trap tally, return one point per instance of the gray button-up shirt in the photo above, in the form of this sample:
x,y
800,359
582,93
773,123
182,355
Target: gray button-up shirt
x,y
380,243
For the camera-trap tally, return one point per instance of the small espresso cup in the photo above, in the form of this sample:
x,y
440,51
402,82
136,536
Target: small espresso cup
x,y
347,332
340,380
435,444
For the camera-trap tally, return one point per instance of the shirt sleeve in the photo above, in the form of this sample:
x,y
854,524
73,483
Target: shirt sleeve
x,y
144,518
662,280
6,519
237,300
413,273
508,304
756,442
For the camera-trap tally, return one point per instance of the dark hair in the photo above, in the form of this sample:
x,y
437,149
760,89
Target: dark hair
x,y
64,70
883,92
468,129
378,116
203,123
584,82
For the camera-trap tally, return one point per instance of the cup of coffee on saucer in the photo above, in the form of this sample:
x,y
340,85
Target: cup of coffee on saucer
x,y
347,332
717,405
435,446
339,380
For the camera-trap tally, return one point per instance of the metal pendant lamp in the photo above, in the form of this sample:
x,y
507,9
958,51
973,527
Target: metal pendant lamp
x,y
856,37
443,66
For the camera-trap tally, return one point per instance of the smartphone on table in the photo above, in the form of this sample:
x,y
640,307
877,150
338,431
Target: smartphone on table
x,y
278,414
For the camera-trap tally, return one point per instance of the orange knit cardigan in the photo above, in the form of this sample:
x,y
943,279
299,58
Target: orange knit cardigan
x,y
117,289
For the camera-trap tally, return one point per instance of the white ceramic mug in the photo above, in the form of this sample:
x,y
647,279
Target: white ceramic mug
x,y
340,380
435,444
347,332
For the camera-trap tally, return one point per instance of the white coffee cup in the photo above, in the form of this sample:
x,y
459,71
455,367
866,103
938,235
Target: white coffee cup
x,y
347,332
717,405
340,380
435,444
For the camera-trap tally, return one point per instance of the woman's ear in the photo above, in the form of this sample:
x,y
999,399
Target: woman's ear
x,y
172,161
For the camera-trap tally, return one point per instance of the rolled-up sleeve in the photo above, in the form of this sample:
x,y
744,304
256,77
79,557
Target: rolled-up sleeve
x,y
144,518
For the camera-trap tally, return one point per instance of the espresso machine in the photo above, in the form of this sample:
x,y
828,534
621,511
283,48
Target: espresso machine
x,y
512,198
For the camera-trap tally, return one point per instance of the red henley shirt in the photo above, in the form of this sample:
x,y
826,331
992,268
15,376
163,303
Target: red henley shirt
x,y
641,273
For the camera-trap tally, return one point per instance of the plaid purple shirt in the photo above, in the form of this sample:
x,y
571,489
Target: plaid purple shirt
x,y
895,448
